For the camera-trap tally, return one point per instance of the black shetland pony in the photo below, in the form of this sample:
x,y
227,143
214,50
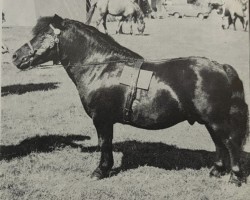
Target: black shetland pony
x,y
193,89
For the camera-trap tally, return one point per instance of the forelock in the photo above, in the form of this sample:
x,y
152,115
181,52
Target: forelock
x,y
42,25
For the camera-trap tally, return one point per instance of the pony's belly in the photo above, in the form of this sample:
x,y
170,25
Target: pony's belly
x,y
157,114
156,120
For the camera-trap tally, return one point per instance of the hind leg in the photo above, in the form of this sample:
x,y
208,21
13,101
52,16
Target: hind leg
x,y
98,21
238,132
104,23
219,168
237,176
243,22
233,144
230,21
246,24
119,28
227,140
233,16
130,19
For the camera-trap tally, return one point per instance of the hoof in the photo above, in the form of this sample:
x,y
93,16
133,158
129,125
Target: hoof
x,y
119,32
237,179
217,172
106,31
98,174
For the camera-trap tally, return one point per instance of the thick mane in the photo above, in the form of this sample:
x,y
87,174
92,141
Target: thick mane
x,y
102,42
42,25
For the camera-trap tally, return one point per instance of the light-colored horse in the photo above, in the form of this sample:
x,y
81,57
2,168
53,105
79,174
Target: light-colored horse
x,y
4,47
246,16
233,9
128,9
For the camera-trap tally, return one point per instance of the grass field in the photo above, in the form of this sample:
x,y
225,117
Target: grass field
x,y
48,143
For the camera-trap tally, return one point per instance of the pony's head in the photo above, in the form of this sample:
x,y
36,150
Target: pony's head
x,y
216,6
139,18
220,10
43,46
68,41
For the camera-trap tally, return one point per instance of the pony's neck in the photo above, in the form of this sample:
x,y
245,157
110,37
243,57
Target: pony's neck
x,y
99,54
81,48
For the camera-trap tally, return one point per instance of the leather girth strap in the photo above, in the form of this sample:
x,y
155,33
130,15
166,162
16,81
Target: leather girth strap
x,y
136,64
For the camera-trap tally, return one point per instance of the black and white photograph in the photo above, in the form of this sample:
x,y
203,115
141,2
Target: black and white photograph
x,y
125,100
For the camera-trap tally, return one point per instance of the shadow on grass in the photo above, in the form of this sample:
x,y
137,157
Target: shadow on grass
x,y
144,34
167,157
161,155
39,144
137,34
21,89
135,153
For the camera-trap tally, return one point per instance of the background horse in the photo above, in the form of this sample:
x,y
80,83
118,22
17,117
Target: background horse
x,y
193,89
246,15
4,47
233,9
128,9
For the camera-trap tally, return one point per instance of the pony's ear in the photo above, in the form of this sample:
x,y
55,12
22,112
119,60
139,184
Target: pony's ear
x,y
57,21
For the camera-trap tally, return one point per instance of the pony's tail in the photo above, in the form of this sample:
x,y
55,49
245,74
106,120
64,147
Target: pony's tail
x,y
239,118
90,13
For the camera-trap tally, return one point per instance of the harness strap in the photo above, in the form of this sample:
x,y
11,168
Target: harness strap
x,y
132,93
55,41
31,47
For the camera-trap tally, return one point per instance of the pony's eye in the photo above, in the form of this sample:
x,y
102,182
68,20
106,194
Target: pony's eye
x,y
24,59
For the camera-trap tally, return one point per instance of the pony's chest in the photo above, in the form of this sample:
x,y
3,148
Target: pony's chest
x,y
97,85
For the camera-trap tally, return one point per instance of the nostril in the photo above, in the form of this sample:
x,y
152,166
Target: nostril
x,y
14,57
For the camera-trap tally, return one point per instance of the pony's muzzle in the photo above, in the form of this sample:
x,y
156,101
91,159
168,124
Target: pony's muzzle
x,y
21,62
